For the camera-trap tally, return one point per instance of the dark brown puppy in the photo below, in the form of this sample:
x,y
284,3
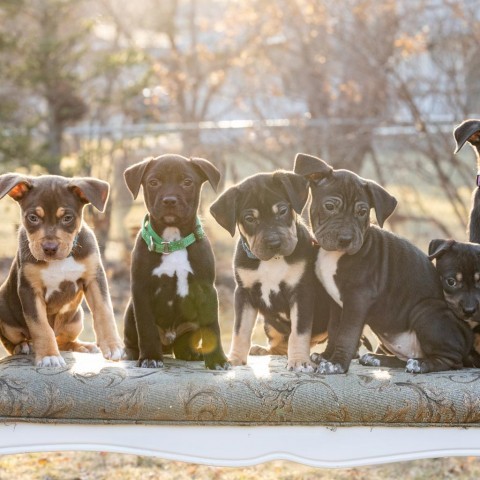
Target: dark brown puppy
x,y
56,265
469,131
174,302
458,265
274,268
379,278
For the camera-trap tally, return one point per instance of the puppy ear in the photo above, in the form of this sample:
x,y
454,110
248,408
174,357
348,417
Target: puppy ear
x,y
464,132
311,167
133,175
438,247
296,188
15,185
383,203
224,210
91,190
207,170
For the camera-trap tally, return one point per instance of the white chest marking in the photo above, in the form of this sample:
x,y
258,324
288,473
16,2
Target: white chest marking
x,y
405,345
326,268
58,271
175,263
270,274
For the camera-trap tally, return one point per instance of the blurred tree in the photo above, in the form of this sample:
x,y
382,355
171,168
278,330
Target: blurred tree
x,y
42,44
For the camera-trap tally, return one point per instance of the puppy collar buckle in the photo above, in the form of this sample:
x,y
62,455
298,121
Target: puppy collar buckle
x,y
166,248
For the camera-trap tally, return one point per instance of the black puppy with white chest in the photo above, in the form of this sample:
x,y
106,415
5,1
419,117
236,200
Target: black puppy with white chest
x,y
378,278
458,265
174,304
273,267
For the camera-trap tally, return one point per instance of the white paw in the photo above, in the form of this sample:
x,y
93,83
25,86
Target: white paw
x,y
51,361
369,360
148,363
329,368
304,366
113,352
413,366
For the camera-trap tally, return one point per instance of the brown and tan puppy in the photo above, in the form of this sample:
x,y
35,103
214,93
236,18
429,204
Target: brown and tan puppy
x,y
57,264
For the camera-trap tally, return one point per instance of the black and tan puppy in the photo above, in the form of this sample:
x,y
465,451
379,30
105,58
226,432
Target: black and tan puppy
x,y
469,131
458,265
273,268
378,278
56,265
174,303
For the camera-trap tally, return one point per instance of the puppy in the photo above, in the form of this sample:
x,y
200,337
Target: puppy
x,y
56,265
378,278
273,267
469,131
174,303
458,265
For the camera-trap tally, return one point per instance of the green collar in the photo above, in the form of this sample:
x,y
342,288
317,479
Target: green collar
x,y
156,243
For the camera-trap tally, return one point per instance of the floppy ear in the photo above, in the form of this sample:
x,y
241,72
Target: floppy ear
x,y
91,190
311,167
15,185
438,247
296,188
224,209
133,175
464,132
383,203
207,170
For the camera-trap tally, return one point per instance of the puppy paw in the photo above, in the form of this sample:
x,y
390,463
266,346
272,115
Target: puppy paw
x,y
77,346
413,366
149,363
369,360
236,361
259,350
112,351
51,361
304,365
24,348
217,362
328,368
317,358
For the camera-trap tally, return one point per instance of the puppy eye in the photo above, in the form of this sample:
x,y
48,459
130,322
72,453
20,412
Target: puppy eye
x,y
283,210
33,219
250,219
187,182
451,282
362,212
329,206
154,182
66,219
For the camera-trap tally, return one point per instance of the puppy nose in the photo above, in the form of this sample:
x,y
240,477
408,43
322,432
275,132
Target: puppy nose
x,y
170,201
273,242
344,240
469,310
50,248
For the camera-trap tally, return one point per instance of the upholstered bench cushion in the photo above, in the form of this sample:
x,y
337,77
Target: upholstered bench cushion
x,y
92,390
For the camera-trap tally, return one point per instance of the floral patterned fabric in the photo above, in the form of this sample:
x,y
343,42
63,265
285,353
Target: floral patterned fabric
x,y
92,390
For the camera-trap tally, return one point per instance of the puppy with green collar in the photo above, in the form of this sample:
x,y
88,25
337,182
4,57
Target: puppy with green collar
x,y
174,303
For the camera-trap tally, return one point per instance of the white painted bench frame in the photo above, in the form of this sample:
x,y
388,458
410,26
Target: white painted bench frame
x,y
244,445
